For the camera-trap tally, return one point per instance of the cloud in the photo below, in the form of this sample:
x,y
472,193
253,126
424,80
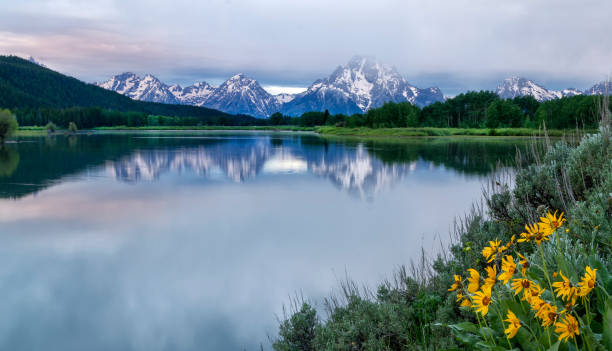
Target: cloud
x,y
470,44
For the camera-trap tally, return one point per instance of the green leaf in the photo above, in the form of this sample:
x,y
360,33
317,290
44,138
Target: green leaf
x,y
555,346
607,326
525,339
464,327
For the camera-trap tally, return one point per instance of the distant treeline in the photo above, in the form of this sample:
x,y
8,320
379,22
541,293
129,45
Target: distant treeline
x,y
471,110
90,117
482,109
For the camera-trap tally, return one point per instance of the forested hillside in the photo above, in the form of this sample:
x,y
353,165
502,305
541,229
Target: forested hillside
x,y
26,87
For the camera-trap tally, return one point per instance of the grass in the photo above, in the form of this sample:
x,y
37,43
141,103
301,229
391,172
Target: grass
x,y
30,131
430,131
272,128
360,132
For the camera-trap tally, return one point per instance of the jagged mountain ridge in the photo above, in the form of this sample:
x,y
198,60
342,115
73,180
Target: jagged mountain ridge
x,y
148,88
362,84
243,95
600,88
237,95
519,86
358,86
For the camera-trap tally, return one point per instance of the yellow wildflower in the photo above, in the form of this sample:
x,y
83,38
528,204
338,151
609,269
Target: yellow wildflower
x,y
458,284
534,232
567,327
536,303
570,304
542,235
482,300
565,289
551,222
587,283
524,264
533,291
491,276
513,327
490,252
548,314
506,246
519,284
473,280
508,269
465,301
529,233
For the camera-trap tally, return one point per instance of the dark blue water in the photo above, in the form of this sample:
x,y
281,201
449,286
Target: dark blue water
x,y
194,241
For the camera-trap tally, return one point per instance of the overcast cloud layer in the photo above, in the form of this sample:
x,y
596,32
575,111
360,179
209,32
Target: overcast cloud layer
x,y
456,44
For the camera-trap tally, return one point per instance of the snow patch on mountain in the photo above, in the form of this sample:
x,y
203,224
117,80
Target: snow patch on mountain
x,y
243,95
518,86
362,84
283,98
600,88
148,88
196,94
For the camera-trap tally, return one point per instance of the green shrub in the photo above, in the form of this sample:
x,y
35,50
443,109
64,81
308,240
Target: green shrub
x,y
8,125
297,333
72,127
51,127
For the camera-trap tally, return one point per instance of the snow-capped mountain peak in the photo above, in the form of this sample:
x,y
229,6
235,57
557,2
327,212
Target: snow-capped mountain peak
x,y
196,94
519,86
241,94
601,88
363,83
239,82
148,88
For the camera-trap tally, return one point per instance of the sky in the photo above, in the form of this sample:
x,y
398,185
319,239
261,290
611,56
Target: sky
x,y
457,45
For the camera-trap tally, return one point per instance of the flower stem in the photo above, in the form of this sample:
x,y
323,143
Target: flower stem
x,y
546,272
501,320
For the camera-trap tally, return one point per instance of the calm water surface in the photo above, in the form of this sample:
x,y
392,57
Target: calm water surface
x,y
193,241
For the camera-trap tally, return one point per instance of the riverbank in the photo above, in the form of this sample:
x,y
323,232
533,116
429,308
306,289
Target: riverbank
x,y
432,305
30,131
270,128
340,131
429,131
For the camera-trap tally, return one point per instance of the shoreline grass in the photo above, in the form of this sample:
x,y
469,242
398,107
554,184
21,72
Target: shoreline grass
x,y
360,132
437,132
268,128
30,131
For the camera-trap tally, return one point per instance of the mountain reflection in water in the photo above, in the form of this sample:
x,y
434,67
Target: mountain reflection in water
x,y
193,241
361,168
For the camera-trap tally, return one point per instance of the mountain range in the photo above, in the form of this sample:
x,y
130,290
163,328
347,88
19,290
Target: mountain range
x,y
518,86
363,83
